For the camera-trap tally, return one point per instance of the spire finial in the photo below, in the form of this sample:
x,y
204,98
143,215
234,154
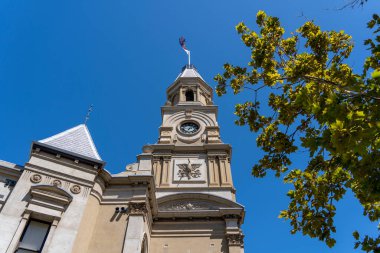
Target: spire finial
x,y
88,114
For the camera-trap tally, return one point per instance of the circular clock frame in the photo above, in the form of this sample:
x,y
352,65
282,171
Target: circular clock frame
x,y
189,128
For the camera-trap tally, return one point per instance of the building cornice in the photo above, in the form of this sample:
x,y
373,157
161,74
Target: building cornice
x,y
38,146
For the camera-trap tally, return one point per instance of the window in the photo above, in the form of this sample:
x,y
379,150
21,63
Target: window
x,y
189,95
34,236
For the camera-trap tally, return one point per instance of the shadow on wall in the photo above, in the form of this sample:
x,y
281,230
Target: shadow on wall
x,y
119,212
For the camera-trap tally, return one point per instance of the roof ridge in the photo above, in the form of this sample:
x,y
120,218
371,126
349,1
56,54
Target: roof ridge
x,y
93,147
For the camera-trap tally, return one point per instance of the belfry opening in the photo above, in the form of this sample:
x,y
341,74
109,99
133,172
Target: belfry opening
x,y
189,95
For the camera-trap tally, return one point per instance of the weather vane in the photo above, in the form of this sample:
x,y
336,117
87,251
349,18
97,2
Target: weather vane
x,y
88,114
182,42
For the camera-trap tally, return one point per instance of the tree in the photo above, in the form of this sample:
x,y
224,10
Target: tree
x,y
320,104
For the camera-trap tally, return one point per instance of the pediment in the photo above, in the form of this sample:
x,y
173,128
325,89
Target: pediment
x,y
188,204
50,195
195,202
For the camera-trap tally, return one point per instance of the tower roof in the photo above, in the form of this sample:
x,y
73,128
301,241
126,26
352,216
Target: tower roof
x,y
189,71
77,140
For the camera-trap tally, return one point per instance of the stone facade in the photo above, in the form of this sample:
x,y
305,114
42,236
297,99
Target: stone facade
x,y
178,196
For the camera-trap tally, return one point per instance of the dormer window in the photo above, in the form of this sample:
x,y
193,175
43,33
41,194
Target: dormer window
x,y
189,95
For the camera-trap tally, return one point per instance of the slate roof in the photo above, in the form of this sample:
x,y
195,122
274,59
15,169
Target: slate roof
x,y
189,71
77,140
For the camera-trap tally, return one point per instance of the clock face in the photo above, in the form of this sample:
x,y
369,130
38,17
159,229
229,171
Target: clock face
x,y
189,128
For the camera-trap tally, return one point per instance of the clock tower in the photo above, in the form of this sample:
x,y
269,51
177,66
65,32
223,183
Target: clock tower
x,y
191,167
189,155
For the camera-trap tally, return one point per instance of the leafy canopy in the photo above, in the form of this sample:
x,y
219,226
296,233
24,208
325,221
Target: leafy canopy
x,y
319,104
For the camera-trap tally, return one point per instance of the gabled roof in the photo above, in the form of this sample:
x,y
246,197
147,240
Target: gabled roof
x,y
76,140
189,71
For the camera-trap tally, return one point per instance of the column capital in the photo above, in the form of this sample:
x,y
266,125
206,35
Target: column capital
x,y
137,208
231,216
165,157
223,157
211,157
235,239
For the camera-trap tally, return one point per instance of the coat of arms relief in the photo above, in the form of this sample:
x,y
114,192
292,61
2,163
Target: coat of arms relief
x,y
189,170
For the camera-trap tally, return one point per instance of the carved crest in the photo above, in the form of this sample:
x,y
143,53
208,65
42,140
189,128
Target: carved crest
x,y
36,178
189,170
75,189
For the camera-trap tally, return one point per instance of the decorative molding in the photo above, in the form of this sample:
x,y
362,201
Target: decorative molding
x,y
166,133
187,205
36,178
167,158
188,113
235,239
156,159
223,157
56,183
50,197
212,157
75,189
231,216
137,208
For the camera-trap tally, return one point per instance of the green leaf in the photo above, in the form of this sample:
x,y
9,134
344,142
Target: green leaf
x,y
315,100
356,235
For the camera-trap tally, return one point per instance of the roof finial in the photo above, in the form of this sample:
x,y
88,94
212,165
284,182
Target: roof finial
x,y
182,42
88,114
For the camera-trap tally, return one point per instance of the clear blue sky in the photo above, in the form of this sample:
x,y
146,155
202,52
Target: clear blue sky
x,y
58,57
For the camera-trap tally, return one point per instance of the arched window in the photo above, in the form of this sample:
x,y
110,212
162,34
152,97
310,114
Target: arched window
x,y
189,95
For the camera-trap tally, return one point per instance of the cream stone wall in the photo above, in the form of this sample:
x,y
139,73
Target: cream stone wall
x,y
67,229
87,226
4,190
189,244
188,237
12,211
109,231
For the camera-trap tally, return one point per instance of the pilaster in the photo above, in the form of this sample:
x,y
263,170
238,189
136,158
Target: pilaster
x,y
157,170
16,237
234,236
165,171
213,169
235,243
225,172
53,227
135,231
